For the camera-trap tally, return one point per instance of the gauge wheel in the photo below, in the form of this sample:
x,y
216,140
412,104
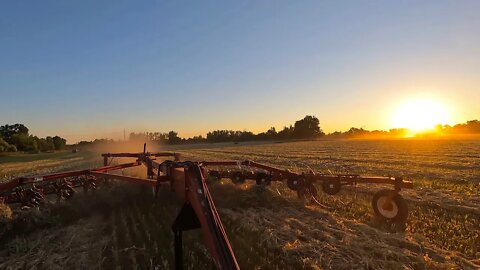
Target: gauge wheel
x,y
294,183
238,178
216,175
331,186
307,191
263,179
389,205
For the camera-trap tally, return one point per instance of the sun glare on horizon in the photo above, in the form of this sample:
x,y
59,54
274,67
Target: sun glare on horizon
x,y
420,115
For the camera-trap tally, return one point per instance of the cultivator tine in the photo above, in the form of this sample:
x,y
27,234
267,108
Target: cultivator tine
x,y
90,183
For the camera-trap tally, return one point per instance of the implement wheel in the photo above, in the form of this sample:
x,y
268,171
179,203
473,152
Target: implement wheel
x,y
216,175
238,178
307,191
331,186
295,182
389,205
263,179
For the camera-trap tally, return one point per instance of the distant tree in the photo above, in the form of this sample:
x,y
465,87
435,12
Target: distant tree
x,y
398,132
94,142
50,144
59,143
286,133
18,138
195,139
243,136
271,133
8,131
138,137
24,142
173,137
471,127
356,133
45,144
308,127
6,147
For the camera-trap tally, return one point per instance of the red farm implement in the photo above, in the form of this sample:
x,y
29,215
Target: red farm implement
x,y
188,181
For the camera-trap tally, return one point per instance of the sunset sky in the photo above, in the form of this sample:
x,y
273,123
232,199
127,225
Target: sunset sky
x,y
90,69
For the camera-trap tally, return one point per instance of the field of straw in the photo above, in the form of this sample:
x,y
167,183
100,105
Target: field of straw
x,y
123,227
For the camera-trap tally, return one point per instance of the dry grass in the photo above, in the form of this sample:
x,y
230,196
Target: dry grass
x,y
22,164
5,212
270,228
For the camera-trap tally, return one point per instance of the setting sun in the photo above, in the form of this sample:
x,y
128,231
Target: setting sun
x,y
420,115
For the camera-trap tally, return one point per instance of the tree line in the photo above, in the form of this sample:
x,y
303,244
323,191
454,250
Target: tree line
x,y
16,137
470,127
306,128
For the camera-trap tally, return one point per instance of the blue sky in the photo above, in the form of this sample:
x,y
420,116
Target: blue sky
x,y
86,69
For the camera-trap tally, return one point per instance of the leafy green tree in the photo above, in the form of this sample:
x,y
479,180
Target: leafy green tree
x,y
45,144
24,142
50,143
6,147
286,133
308,127
59,143
8,131
173,137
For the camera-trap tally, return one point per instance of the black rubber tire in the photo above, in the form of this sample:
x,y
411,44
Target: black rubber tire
x,y
263,179
398,216
307,191
238,178
215,174
331,186
294,183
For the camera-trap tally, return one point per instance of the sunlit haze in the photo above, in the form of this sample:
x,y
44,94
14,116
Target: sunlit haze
x,y
419,115
92,69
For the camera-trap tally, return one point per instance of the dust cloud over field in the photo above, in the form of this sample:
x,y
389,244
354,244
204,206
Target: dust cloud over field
x,y
269,227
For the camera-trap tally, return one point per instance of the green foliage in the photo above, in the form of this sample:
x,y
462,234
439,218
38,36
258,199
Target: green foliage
x,y
16,137
229,136
308,127
173,137
24,142
45,144
6,147
59,143
8,131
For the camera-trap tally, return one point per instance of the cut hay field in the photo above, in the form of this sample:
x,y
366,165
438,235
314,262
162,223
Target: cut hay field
x,y
123,228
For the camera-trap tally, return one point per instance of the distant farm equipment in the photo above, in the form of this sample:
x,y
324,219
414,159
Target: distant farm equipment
x,y
188,180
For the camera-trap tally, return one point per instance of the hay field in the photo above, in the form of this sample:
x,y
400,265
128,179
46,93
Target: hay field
x,y
124,228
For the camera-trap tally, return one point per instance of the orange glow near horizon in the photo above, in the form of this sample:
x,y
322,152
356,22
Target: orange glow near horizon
x,y
420,115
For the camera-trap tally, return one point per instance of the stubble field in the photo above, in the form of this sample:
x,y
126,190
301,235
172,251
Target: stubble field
x,y
121,227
